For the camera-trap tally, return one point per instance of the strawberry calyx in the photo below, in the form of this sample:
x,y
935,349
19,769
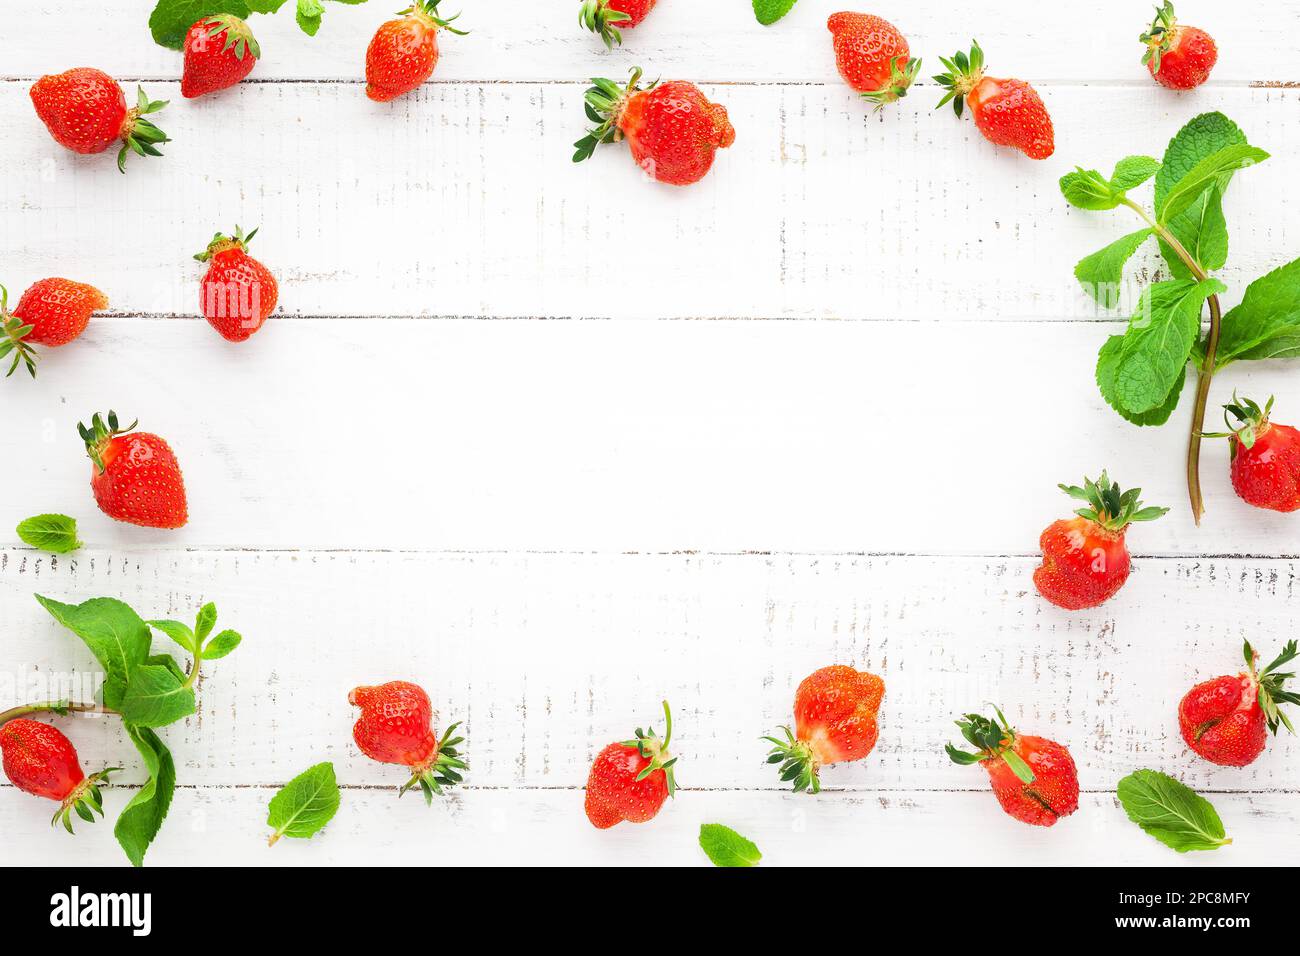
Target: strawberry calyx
x,y
222,243
994,739
84,800
99,434
14,330
799,765
140,135
1160,38
1270,681
896,87
1108,506
596,16
965,71
441,771
604,103
428,10
238,35
648,745
1252,421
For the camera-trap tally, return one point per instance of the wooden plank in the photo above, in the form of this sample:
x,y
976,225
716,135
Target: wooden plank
x,y
549,657
721,436
463,201
224,826
524,40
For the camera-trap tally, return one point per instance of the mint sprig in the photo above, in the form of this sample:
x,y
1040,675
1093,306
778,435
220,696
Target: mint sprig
x,y
54,533
725,847
302,807
767,12
1171,812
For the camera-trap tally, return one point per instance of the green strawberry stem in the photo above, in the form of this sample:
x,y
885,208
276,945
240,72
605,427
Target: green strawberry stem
x,y
62,707
1206,372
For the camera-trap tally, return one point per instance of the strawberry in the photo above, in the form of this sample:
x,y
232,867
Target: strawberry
x,y
1265,456
1007,112
872,56
237,293
52,312
219,52
40,760
136,477
1225,719
835,721
631,780
1085,560
1033,778
404,52
1179,58
607,17
672,129
85,110
396,726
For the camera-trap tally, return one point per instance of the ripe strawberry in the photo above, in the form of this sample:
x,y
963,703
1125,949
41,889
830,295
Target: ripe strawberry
x,y
396,726
40,760
835,721
404,52
632,779
1033,778
1007,112
672,129
136,477
872,56
1224,720
52,312
237,293
1179,58
219,52
1085,560
85,110
1265,466
608,17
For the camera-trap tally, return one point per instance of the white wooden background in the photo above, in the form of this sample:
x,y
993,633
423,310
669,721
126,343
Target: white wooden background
x,y
556,442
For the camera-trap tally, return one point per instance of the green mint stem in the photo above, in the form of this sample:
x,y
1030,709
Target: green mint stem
x,y
1206,371
52,705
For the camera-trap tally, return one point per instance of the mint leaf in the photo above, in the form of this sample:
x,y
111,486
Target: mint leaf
x,y
140,820
265,6
1266,323
172,19
1133,171
1159,339
308,16
1101,273
221,645
54,533
115,634
1203,232
1201,137
206,620
769,11
305,804
156,696
1107,363
725,847
1178,817
1207,174
178,632
1088,189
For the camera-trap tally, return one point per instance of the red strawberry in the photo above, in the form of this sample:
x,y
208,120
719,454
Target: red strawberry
x,y
396,726
136,477
872,56
219,52
85,110
404,52
52,312
672,129
237,293
632,779
1007,112
1180,58
1225,719
1085,560
40,760
835,721
1265,456
608,17
1033,778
